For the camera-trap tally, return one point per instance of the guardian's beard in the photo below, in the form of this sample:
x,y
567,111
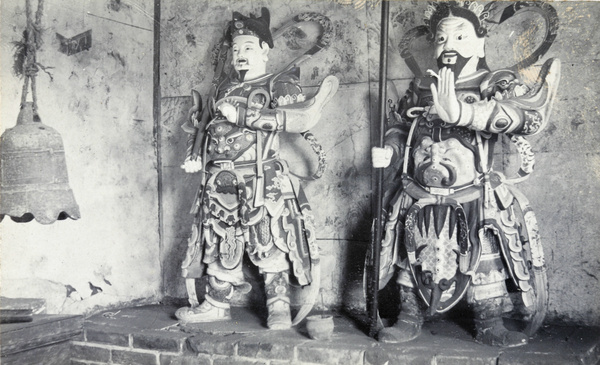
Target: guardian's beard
x,y
453,60
242,74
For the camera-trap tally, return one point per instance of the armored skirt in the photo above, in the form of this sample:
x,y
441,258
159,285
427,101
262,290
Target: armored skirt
x,y
271,220
464,243
248,201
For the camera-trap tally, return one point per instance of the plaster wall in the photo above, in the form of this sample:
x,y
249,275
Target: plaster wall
x,y
100,101
564,189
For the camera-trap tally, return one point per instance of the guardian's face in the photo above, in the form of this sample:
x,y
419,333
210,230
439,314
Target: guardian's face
x,y
249,56
457,45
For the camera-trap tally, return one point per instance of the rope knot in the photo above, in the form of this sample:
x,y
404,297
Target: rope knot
x,y
30,69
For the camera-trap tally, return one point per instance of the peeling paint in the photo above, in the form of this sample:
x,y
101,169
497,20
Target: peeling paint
x,y
95,289
118,57
70,290
117,5
191,39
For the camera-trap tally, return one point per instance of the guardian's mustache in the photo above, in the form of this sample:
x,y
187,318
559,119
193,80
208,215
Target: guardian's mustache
x,y
241,61
453,60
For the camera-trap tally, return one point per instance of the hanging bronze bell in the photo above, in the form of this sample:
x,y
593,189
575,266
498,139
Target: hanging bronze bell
x,y
33,172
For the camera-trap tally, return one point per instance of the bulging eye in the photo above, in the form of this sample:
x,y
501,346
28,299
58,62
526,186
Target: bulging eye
x,y
460,37
441,39
230,140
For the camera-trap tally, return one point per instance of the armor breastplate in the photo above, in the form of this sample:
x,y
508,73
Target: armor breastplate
x,y
445,156
228,141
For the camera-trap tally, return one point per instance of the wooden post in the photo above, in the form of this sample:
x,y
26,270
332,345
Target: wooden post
x,y
376,235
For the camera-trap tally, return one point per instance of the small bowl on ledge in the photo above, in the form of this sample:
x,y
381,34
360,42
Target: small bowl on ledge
x,y
319,326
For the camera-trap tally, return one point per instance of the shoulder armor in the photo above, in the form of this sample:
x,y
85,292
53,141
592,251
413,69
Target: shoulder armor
x,y
504,83
285,87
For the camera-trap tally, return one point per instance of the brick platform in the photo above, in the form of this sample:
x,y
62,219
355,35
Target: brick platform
x,y
150,336
44,340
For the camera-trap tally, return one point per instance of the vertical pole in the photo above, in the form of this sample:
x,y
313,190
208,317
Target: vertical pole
x,y
375,248
157,131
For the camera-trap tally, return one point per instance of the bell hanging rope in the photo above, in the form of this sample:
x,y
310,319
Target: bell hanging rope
x,y
33,172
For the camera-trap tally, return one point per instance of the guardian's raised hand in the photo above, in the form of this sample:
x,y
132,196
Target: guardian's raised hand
x,y
444,97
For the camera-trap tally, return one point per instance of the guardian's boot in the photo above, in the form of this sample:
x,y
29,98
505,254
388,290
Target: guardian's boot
x,y
490,327
410,320
215,307
278,301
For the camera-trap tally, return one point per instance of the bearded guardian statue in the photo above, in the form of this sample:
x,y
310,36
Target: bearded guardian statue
x,y
456,227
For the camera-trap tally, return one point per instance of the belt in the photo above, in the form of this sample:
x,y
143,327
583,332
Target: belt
x,y
462,195
218,165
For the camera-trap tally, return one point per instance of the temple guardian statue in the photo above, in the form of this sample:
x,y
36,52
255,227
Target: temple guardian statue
x,y
248,202
456,227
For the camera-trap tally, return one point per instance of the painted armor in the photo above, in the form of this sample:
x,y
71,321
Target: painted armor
x,y
464,227
249,202
455,226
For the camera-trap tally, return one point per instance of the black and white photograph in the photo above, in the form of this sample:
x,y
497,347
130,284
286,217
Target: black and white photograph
x,y
299,182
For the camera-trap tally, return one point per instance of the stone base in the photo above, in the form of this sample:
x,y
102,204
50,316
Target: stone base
x,y
150,335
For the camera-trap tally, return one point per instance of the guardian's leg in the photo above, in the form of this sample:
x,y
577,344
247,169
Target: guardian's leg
x,y
488,318
277,286
215,307
410,320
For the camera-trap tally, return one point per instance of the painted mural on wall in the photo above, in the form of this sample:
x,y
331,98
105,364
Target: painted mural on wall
x,y
456,227
247,202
